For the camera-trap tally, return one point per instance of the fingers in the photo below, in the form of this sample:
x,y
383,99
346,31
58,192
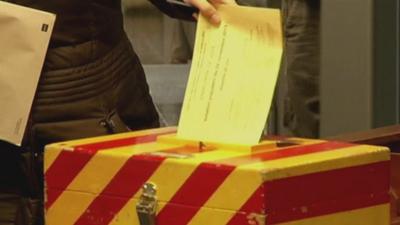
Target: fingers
x,y
207,10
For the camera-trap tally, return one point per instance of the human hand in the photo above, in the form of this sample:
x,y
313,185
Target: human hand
x,y
208,8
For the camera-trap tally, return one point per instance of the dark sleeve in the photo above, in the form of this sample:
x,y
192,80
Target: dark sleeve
x,y
254,3
174,10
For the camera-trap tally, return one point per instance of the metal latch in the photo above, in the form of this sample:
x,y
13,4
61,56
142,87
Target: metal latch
x,y
147,205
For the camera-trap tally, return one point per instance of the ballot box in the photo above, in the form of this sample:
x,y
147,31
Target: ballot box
x,y
151,177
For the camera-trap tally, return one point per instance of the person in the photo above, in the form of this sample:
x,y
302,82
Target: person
x,y
182,44
301,66
92,84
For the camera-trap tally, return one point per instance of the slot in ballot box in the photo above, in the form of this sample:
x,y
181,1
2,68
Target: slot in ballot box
x,y
153,177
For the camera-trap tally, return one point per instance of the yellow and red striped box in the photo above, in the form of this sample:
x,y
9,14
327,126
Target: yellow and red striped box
x,y
98,181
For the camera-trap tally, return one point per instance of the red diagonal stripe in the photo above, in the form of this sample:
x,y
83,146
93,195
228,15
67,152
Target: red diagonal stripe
x,y
129,179
68,164
322,193
255,204
62,172
196,190
286,152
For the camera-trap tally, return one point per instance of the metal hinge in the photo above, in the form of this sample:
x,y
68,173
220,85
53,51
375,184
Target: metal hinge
x,y
147,205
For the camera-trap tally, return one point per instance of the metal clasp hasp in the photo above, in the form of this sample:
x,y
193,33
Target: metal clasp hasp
x,y
147,205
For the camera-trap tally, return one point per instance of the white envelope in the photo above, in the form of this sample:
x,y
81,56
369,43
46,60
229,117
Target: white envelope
x,y
24,38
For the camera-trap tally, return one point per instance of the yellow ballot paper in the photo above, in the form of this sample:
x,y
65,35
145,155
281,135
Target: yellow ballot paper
x,y
233,75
